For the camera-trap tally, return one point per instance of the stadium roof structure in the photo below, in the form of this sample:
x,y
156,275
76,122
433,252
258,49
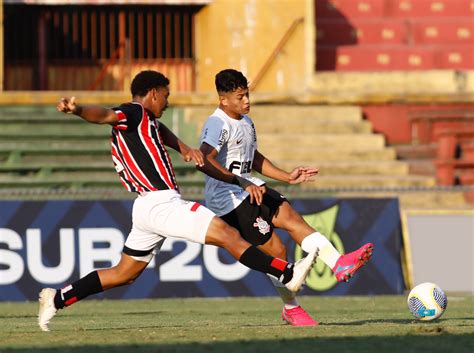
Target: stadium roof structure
x,y
108,2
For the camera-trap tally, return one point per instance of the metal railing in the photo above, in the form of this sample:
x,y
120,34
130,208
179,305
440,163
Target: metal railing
x,y
279,47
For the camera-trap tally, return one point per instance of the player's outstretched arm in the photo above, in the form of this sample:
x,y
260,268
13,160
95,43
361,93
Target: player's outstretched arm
x,y
298,175
92,114
189,154
215,170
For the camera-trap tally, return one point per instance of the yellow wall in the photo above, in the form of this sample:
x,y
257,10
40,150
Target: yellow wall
x,y
242,34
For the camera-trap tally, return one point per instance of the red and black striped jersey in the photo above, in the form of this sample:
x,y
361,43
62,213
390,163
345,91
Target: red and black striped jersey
x,y
140,157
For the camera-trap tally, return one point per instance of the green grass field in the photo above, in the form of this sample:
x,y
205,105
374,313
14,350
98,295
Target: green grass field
x,y
348,324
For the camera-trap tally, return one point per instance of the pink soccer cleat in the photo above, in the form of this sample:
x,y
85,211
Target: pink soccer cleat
x,y
297,317
348,264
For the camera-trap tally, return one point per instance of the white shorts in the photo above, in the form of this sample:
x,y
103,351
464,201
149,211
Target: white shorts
x,y
160,214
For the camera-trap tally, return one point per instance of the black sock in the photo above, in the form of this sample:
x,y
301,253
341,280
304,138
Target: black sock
x,y
257,260
78,290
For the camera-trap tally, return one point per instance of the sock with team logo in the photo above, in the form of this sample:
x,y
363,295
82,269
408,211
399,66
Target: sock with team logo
x,y
257,260
78,290
327,252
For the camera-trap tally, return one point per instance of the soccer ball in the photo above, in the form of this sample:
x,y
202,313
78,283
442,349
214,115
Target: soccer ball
x,y
427,301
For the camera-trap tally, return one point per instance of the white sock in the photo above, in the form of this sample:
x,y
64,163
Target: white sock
x,y
327,252
288,297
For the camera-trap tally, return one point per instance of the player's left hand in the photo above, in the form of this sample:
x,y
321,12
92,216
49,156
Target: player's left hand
x,y
256,193
302,174
194,155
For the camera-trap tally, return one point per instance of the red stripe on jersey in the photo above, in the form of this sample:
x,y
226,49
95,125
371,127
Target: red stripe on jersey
x,y
145,134
129,178
195,207
122,117
279,264
122,123
133,166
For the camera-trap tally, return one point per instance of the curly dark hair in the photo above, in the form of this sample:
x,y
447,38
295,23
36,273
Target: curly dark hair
x,y
229,80
147,80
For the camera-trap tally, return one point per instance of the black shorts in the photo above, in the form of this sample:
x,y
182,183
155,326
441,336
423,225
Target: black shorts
x,y
254,222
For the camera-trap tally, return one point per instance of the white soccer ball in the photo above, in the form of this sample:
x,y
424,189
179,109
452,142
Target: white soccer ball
x,y
427,301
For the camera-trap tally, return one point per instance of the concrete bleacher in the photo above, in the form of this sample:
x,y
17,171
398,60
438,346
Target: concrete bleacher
x,y
353,160
46,153
42,149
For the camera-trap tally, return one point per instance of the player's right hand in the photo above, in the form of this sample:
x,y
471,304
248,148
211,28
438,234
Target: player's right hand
x,y
256,193
67,105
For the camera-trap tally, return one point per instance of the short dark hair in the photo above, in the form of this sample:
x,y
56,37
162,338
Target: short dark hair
x,y
144,81
229,80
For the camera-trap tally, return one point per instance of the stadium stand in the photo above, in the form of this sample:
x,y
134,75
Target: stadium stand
x,y
370,56
353,160
367,35
441,145
42,150
50,155
454,154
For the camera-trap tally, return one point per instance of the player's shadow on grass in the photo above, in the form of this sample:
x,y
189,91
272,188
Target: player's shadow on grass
x,y
18,317
127,328
411,343
156,312
375,321
392,321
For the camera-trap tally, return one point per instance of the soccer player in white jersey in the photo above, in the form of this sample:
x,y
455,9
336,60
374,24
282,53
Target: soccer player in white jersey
x,y
229,144
142,162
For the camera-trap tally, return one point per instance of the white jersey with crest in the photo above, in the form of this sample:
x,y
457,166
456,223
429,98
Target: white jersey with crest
x,y
235,140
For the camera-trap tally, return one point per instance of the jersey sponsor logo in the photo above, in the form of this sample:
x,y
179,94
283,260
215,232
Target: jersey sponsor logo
x,y
262,225
223,137
243,167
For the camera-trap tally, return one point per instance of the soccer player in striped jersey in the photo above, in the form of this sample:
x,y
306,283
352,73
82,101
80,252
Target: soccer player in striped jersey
x,y
144,167
229,144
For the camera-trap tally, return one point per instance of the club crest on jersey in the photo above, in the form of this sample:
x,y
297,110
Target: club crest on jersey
x,y
263,226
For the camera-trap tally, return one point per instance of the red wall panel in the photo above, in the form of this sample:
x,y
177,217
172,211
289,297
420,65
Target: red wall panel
x,y
393,121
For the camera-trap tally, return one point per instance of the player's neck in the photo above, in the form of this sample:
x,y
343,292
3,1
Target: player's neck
x,y
230,114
